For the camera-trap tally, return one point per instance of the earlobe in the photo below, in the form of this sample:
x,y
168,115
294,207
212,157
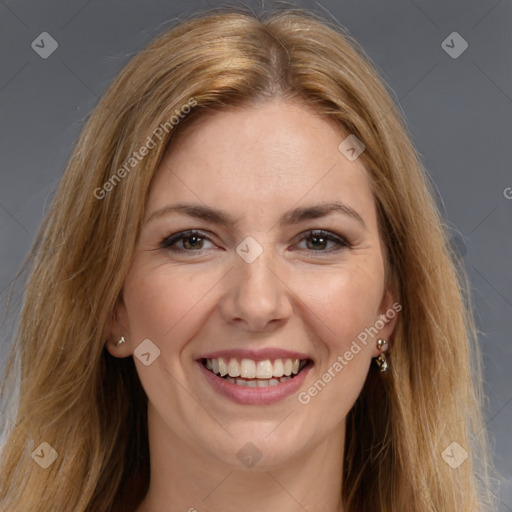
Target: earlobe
x,y
388,313
116,343
118,348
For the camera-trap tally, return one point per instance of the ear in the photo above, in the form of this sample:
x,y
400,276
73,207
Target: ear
x,y
117,326
386,321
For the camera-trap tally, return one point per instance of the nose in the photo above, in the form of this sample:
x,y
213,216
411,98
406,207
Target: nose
x,y
257,297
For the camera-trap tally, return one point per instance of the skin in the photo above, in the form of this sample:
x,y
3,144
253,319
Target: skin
x,y
255,163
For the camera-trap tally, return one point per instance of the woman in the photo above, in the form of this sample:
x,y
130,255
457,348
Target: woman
x,y
243,226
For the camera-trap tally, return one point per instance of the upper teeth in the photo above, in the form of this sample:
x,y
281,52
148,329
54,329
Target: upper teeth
x,y
250,369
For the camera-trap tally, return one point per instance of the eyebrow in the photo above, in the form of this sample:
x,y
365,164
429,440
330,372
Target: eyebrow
x,y
295,216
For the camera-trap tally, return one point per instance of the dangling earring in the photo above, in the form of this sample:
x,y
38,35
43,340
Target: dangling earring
x,y
382,345
121,341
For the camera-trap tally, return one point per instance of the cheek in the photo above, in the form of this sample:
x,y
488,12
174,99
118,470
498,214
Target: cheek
x,y
164,303
346,300
343,306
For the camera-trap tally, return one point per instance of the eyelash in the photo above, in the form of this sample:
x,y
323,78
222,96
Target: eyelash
x,y
171,240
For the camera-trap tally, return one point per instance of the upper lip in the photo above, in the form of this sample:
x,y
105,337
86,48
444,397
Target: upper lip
x,y
255,355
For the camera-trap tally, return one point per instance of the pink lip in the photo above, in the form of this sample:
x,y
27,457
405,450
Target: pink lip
x,y
254,396
255,355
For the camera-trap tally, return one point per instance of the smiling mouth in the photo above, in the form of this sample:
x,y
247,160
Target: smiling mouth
x,y
255,374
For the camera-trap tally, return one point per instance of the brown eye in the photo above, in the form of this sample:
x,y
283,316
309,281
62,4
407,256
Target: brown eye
x,y
191,241
318,241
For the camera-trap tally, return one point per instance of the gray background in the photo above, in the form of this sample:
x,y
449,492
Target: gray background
x,y
458,112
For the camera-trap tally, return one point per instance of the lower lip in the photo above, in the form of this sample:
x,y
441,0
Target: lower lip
x,y
254,396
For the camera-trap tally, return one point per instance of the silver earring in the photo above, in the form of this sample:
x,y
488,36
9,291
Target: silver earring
x,y
121,341
382,345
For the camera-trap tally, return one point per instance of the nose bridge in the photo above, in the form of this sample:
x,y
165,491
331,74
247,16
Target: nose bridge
x,y
256,294
258,273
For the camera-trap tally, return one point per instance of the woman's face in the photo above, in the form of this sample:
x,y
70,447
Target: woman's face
x,y
272,273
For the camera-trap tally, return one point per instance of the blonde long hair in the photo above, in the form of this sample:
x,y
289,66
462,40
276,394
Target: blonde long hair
x,y
91,408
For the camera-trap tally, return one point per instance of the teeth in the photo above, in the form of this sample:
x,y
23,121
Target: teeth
x,y
248,369
223,369
257,383
263,373
278,368
264,369
234,368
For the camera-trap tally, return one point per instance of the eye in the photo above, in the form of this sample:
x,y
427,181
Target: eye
x,y
318,240
191,241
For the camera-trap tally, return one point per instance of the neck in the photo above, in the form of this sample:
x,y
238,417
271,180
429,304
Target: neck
x,y
183,479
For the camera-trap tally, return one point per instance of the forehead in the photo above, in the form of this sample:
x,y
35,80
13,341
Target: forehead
x,y
271,156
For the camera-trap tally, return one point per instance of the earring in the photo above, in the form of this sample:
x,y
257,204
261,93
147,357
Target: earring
x,y
121,341
382,345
